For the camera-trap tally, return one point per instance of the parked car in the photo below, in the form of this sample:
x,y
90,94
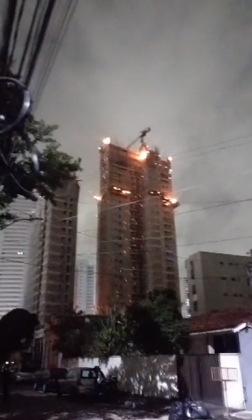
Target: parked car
x,y
79,381
47,380
22,377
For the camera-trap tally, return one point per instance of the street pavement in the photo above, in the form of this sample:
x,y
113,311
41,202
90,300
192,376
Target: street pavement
x,y
30,405
26,404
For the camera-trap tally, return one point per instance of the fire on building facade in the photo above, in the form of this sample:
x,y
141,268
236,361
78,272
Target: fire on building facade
x,y
136,229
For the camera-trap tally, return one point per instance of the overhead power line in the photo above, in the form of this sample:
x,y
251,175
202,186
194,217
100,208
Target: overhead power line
x,y
219,143
214,241
54,49
224,204
45,33
245,200
127,270
20,14
9,18
28,39
40,41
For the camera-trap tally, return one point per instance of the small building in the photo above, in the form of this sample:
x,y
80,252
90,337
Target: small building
x,y
228,335
217,282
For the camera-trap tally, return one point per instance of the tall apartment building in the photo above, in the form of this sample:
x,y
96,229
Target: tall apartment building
x,y
15,242
85,287
217,282
136,229
184,295
50,289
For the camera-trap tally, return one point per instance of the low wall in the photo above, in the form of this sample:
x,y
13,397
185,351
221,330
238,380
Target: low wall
x,y
153,376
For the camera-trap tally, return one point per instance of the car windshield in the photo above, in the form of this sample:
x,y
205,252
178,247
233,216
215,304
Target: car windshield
x,y
88,373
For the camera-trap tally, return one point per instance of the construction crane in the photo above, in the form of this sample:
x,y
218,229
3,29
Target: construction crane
x,y
141,137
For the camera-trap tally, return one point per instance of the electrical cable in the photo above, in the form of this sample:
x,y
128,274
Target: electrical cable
x,y
7,31
48,53
224,204
28,40
215,150
22,219
38,21
54,53
211,145
41,38
170,238
224,276
245,200
20,14
216,241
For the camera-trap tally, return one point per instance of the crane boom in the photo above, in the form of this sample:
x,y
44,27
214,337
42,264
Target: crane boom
x,y
141,137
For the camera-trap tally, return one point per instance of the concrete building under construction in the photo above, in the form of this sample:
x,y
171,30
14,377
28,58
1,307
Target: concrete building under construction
x,y
136,229
50,286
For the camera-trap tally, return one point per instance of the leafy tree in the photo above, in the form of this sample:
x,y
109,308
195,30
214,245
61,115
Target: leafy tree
x,y
156,325
17,174
17,330
151,326
75,336
113,338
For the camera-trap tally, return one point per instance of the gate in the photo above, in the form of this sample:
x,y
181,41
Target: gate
x,y
194,372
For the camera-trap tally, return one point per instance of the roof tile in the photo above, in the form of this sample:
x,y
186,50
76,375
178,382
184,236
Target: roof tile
x,y
219,320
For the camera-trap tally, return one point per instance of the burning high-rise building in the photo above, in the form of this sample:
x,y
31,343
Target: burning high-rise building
x,y
136,230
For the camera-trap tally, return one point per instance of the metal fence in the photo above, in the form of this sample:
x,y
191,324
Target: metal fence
x,y
195,373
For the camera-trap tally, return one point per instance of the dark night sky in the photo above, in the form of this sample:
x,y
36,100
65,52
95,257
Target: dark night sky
x,y
182,67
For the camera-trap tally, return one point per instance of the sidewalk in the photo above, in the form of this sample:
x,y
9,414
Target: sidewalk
x,y
243,415
218,411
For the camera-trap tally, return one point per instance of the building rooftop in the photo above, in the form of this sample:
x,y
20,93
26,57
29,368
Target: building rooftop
x,y
220,320
218,254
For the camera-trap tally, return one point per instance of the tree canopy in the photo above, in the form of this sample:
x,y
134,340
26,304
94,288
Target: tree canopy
x,y
16,329
75,334
156,324
152,326
17,174
113,338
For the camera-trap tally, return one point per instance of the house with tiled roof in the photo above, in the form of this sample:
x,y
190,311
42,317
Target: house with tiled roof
x,y
226,332
216,332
